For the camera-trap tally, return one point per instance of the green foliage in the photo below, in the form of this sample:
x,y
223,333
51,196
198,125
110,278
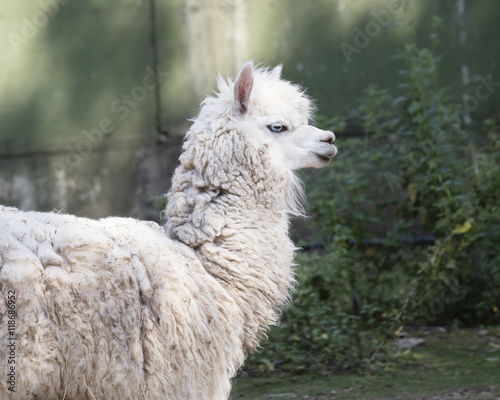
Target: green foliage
x,y
414,175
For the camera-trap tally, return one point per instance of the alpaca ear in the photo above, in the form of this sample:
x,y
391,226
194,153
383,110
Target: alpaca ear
x,y
243,87
276,72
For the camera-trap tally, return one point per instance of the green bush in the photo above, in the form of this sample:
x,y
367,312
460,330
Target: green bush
x,y
409,216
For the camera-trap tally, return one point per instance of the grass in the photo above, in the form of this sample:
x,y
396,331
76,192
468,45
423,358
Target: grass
x,y
461,365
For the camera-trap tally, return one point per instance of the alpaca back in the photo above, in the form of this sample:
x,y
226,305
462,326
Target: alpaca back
x,y
117,311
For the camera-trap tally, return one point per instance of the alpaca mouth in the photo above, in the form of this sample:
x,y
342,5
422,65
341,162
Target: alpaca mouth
x,y
323,157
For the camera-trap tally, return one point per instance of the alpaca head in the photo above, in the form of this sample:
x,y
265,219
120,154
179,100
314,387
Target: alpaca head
x,y
278,112
273,112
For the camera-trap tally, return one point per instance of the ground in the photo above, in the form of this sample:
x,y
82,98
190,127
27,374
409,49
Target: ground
x,y
464,364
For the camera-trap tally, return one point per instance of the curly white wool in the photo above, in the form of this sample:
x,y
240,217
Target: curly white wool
x,y
125,309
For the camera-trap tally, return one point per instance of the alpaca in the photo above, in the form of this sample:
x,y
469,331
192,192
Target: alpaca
x,y
118,308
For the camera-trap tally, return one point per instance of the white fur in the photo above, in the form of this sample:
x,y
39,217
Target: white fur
x,y
125,309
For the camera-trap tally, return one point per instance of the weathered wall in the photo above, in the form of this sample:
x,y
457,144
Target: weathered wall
x,y
79,94
94,97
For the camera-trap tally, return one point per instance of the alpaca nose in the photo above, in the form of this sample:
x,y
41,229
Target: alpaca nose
x,y
329,138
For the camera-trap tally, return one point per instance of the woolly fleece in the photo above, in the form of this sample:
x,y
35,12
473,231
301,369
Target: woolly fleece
x,y
124,309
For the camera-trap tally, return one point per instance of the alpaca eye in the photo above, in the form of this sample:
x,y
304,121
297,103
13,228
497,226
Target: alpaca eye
x,y
277,128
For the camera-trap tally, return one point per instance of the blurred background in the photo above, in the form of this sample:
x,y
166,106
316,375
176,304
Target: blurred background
x,y
95,99
69,65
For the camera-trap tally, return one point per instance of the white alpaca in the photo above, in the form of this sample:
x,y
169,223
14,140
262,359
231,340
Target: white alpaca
x,y
125,309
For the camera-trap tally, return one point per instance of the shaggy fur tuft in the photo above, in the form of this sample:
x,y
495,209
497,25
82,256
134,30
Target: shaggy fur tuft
x,y
125,309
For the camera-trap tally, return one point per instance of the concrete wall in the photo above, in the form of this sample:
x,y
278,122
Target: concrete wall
x,y
94,96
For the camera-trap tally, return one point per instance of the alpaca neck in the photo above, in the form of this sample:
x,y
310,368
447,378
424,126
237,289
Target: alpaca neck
x,y
238,227
252,259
